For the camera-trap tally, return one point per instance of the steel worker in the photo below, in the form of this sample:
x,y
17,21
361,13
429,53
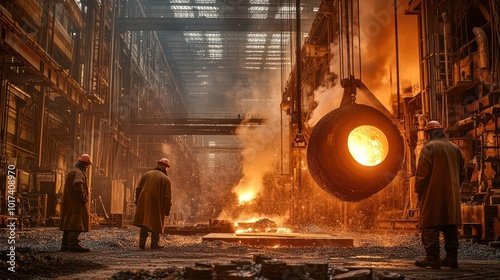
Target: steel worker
x,y
440,172
153,198
75,212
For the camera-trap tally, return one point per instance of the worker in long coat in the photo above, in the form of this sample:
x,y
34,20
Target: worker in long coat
x,y
75,212
440,172
153,200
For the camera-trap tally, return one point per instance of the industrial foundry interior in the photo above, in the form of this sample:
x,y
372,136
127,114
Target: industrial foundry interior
x,y
268,115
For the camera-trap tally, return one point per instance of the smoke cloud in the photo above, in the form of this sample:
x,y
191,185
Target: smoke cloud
x,y
329,95
378,57
261,143
261,154
378,47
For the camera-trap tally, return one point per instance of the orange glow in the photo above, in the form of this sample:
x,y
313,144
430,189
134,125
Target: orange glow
x,y
247,227
368,145
267,230
248,188
245,197
244,230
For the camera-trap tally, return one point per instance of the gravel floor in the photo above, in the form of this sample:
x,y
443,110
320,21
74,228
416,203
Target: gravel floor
x,y
115,254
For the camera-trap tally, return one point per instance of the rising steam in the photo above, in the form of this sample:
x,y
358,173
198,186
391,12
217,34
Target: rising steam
x,y
261,152
378,57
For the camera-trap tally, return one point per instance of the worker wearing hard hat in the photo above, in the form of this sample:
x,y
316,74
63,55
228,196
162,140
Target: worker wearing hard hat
x,y
440,172
153,199
75,212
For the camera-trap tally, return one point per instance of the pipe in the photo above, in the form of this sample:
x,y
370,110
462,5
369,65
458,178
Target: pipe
x,y
482,44
446,35
466,121
426,85
396,39
484,56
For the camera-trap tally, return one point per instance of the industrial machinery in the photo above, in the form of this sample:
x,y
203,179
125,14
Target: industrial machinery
x,y
459,46
355,150
338,164
460,87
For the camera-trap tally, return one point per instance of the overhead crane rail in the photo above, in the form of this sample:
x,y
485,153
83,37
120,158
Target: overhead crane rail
x,y
192,124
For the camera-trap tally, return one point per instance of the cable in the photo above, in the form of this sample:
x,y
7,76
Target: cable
x,y
298,65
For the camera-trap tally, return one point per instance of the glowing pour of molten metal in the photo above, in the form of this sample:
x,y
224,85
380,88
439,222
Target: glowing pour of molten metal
x,y
368,145
245,197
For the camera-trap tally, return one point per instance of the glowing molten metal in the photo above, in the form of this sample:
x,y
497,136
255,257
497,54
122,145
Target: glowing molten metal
x,y
368,145
245,197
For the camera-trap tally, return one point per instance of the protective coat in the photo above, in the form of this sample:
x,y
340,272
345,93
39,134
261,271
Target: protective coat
x,y
440,171
153,200
75,212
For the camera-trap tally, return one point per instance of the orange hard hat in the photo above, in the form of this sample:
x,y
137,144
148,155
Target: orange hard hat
x,y
85,158
432,125
164,161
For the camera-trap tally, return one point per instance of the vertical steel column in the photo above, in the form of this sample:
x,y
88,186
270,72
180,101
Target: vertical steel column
x,y
89,48
41,127
73,140
3,118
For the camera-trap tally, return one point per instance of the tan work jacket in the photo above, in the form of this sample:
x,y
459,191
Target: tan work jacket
x,y
75,212
153,200
440,172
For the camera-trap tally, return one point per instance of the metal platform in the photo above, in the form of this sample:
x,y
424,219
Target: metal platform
x,y
280,239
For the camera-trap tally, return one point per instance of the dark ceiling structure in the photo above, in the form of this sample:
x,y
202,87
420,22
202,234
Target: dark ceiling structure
x,y
212,45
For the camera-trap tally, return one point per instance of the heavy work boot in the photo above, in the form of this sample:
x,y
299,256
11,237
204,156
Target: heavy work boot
x,y
143,236
451,245
64,243
155,239
430,240
428,262
74,242
451,262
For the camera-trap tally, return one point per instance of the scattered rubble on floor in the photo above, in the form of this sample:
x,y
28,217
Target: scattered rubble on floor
x,y
29,264
262,268
115,253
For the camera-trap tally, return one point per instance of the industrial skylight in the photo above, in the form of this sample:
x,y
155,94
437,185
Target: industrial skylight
x,y
185,9
258,9
209,45
286,12
223,41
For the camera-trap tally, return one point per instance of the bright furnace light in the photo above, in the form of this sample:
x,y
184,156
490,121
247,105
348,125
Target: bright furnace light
x,y
245,197
368,145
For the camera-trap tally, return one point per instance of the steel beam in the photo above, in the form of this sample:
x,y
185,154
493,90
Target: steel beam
x,y
15,41
157,125
196,121
181,130
204,24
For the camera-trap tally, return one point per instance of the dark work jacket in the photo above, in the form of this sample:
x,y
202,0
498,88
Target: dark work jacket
x,y
75,212
440,171
153,200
